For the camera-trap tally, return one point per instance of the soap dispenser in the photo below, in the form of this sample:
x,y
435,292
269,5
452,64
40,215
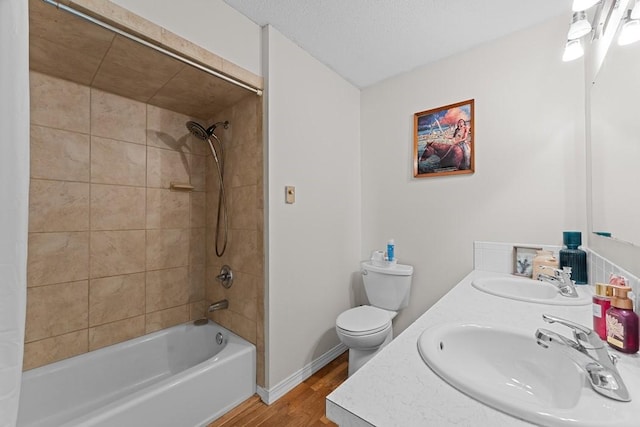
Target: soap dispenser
x,y
573,257
601,303
622,322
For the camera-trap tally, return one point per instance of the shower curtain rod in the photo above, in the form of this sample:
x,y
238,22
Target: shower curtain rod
x,y
153,46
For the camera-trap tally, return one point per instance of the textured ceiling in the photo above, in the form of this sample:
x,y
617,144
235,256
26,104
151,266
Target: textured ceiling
x,y
367,41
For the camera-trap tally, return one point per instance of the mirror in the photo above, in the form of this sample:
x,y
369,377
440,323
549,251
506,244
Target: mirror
x,y
615,142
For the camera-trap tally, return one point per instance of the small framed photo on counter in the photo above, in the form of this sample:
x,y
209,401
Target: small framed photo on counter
x,y
523,260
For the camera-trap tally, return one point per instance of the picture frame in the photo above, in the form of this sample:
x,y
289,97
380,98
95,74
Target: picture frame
x,y
443,140
523,260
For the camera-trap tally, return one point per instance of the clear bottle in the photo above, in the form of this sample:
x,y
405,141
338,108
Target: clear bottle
x,y
573,257
622,322
601,303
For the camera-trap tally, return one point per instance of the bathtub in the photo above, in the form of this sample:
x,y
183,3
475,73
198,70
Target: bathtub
x,y
177,377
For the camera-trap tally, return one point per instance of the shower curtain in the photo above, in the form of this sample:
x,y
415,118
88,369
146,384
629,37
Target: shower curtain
x,y
14,199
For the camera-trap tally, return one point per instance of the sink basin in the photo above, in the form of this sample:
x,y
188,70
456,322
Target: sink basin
x,y
522,289
507,370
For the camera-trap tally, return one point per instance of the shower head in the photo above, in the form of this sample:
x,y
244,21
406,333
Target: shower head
x,y
217,152
199,131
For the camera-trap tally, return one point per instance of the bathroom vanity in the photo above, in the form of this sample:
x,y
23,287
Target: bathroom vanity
x,y
397,388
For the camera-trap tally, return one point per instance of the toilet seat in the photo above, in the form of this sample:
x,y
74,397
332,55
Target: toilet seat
x,y
363,320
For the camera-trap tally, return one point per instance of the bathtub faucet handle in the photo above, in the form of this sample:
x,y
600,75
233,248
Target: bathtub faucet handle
x,y
225,277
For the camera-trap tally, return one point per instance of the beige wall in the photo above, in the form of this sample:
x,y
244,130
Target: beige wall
x,y
113,253
245,249
528,184
314,244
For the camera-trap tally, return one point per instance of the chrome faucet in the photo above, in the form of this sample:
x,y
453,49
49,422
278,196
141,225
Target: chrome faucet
x,y
589,352
219,305
561,279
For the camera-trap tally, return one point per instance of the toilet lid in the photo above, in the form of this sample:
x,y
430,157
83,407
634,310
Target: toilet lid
x,y
363,319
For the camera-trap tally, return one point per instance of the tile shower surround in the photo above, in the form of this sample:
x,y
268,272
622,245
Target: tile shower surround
x,y
113,253
245,251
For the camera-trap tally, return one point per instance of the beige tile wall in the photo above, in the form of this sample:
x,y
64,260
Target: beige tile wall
x,y
245,250
113,252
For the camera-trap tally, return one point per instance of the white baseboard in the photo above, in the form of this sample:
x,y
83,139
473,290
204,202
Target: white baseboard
x,y
269,396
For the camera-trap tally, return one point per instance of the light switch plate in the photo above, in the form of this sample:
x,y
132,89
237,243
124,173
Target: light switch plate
x,y
290,194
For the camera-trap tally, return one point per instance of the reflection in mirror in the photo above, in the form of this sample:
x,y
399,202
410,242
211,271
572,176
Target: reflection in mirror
x,y
615,136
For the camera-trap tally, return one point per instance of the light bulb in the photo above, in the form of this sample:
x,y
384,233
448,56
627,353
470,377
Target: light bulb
x,y
572,50
579,26
629,33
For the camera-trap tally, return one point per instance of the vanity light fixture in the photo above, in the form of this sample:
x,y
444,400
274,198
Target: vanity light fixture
x,y
630,30
572,50
580,26
580,5
586,19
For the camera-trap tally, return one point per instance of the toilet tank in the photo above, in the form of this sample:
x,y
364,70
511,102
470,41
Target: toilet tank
x,y
387,287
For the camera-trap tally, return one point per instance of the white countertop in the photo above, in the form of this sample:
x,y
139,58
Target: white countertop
x,y
396,388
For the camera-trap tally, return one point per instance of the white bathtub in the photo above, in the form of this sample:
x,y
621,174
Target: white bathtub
x,y
177,377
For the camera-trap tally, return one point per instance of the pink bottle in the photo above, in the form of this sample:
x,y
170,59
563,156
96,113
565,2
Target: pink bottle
x,y
601,303
622,322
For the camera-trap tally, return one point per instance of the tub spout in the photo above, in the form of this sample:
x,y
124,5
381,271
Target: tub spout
x,y
219,305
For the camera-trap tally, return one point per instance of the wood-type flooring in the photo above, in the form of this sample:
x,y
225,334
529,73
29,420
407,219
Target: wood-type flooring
x,y
303,406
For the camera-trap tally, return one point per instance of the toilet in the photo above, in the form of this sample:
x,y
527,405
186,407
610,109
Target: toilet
x,y
367,329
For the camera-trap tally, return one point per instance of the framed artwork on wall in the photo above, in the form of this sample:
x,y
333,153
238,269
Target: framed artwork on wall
x,y
444,142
